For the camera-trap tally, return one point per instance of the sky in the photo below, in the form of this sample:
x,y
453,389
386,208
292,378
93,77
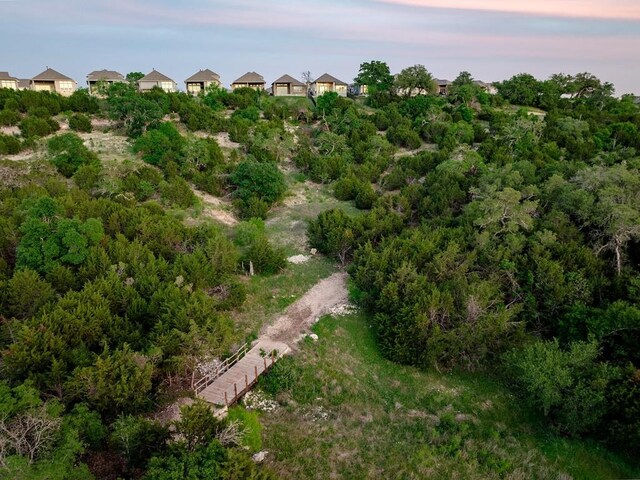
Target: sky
x,y
492,39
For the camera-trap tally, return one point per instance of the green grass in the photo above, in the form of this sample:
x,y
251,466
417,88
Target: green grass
x,y
286,224
353,414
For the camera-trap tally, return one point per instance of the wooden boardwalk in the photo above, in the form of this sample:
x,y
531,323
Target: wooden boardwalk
x,y
229,387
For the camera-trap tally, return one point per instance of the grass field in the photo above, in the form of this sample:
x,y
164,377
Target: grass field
x,y
349,413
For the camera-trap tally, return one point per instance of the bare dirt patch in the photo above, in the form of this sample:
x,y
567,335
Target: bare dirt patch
x,y
10,130
216,208
107,145
102,123
299,316
224,141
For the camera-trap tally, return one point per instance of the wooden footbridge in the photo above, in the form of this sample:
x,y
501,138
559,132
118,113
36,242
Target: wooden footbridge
x,y
237,374
240,372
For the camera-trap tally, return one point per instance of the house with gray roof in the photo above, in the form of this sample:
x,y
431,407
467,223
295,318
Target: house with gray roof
x,y
201,80
99,80
328,83
249,80
24,84
443,86
52,81
287,86
157,79
7,81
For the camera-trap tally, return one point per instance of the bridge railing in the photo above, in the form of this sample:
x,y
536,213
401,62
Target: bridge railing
x,y
248,384
209,378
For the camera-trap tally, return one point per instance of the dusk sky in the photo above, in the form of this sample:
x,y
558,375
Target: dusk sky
x,y
493,39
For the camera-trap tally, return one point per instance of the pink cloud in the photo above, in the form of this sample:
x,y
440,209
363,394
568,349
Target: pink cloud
x,y
610,9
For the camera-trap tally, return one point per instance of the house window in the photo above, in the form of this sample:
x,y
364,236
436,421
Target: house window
x,y
43,87
7,84
64,85
166,86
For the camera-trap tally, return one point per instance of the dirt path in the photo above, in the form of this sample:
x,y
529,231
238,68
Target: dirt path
x,y
324,296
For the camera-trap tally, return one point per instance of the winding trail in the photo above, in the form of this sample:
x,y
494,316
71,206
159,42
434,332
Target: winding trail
x,y
277,340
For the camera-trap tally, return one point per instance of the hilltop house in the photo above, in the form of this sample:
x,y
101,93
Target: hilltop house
x,y
201,80
249,80
443,86
103,77
327,83
24,84
7,81
157,79
286,85
359,90
52,81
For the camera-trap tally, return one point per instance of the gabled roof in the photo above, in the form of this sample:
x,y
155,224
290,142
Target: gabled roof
x,y
24,83
50,75
205,75
155,76
107,75
6,76
250,77
442,83
289,79
326,78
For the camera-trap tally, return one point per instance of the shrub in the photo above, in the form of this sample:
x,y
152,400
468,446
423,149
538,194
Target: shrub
x,y
404,136
9,145
81,101
80,123
161,145
334,233
253,208
38,127
260,180
88,176
566,386
69,153
9,117
265,258
177,192
26,293
365,196
252,114
346,188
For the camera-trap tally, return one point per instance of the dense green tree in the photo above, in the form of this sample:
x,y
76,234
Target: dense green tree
x,y
568,386
258,180
133,110
375,75
415,80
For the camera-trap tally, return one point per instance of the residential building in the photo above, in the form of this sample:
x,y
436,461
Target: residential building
x,y
52,81
327,83
7,81
359,90
201,80
287,86
101,79
249,80
157,79
24,84
443,86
